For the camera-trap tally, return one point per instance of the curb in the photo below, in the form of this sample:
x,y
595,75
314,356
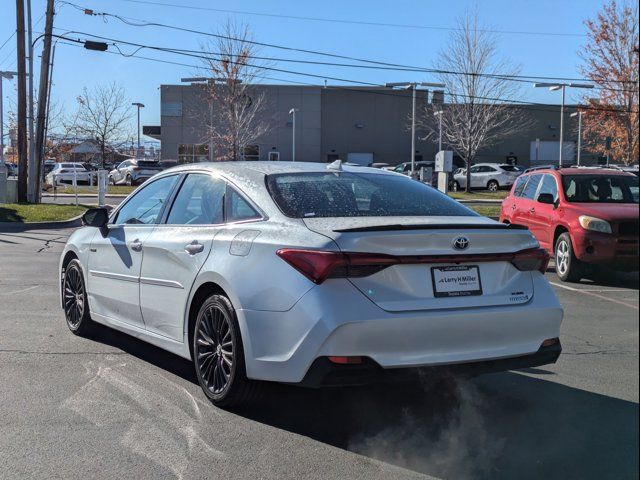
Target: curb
x,y
22,227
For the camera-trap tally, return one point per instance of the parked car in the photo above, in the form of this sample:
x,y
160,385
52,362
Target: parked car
x,y
492,176
588,217
66,172
310,274
406,167
49,164
134,172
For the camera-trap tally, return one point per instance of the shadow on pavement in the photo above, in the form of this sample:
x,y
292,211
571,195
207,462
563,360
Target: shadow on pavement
x,y
502,426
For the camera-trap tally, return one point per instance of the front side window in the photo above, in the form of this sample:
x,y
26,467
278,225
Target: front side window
x,y
145,205
549,185
199,201
350,194
600,188
531,187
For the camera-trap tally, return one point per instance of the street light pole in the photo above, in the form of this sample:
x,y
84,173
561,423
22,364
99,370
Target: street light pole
x,y
439,114
562,86
579,115
139,105
292,112
413,86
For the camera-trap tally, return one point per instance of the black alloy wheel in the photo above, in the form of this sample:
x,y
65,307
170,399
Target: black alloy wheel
x,y
76,307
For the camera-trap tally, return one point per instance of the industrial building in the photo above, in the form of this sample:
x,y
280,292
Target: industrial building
x,y
351,123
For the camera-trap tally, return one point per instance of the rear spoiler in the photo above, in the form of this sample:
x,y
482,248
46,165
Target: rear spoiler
x,y
435,226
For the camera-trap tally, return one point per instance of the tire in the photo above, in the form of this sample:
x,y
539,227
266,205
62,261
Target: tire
x,y
128,181
493,186
218,355
568,267
456,186
76,306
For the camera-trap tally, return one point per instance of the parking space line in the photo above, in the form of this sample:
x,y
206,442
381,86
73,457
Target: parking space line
x,y
602,297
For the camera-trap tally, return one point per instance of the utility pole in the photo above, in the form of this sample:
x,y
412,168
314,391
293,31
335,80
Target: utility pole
x,y
22,103
32,184
43,100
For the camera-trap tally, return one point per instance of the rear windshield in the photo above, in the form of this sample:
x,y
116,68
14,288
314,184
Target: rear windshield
x,y
349,194
600,188
147,163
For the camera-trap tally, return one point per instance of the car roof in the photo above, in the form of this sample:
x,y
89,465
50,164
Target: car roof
x,y
247,171
582,171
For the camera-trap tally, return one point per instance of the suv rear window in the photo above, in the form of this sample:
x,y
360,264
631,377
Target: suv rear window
x,y
349,194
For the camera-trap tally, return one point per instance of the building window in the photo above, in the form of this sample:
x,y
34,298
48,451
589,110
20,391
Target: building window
x,y
251,152
190,153
274,156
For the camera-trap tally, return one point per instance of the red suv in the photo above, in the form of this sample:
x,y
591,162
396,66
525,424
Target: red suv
x,y
585,216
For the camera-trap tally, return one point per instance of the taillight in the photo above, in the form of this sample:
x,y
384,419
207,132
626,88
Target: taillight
x,y
530,260
318,265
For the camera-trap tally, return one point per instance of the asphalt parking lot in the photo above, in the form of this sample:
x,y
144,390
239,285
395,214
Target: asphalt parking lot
x,y
113,407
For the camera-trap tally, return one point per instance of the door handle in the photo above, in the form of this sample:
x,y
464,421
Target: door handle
x,y
513,207
532,210
136,245
194,247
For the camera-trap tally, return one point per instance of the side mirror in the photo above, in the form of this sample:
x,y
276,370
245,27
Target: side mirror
x,y
96,217
546,198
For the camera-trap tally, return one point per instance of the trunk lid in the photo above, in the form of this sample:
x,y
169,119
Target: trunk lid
x,y
412,286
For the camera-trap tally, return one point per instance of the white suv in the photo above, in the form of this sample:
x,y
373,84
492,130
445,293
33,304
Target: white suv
x,y
491,176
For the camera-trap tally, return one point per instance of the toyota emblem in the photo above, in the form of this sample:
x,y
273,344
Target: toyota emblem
x,y
461,243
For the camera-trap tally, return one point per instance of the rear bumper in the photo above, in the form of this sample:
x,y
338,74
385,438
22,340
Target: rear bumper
x,y
336,319
324,373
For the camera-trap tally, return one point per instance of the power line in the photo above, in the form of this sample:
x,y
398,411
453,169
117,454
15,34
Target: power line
x,y
145,23
7,40
198,55
351,22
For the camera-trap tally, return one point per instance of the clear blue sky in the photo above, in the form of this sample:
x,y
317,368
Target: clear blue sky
x,y
544,55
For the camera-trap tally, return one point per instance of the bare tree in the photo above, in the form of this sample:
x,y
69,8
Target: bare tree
x,y
477,114
611,59
103,115
237,107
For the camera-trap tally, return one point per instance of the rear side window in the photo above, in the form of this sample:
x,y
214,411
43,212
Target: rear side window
x,y
520,184
349,194
238,208
199,201
531,187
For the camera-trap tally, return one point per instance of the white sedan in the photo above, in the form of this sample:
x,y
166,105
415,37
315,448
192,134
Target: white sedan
x,y
310,274
492,176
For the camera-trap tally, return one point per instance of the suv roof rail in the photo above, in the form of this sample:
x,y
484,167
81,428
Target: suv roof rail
x,y
541,167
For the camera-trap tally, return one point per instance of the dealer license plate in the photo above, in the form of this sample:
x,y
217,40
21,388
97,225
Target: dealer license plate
x,y
456,281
